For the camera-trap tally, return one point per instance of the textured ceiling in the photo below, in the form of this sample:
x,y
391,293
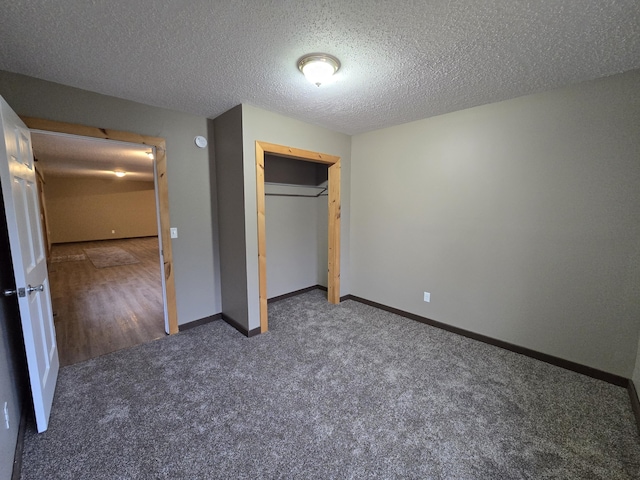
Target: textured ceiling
x,y
70,155
401,60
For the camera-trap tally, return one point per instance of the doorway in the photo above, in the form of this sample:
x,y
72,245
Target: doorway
x,y
156,146
333,264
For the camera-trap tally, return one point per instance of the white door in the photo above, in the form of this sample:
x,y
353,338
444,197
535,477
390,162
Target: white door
x,y
18,178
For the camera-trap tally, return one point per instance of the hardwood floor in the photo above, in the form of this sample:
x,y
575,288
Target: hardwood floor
x,y
100,310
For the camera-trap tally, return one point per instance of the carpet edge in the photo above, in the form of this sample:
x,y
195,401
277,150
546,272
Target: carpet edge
x,y
544,357
296,292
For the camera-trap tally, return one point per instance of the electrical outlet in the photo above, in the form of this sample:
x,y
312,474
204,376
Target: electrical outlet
x,y
6,415
427,297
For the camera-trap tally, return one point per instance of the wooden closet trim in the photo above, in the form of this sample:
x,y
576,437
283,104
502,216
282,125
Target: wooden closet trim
x,y
163,190
333,279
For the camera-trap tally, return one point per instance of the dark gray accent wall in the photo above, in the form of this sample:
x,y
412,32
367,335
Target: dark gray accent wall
x,y
287,170
231,217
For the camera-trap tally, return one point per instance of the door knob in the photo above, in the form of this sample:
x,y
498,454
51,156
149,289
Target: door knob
x,y
10,291
39,288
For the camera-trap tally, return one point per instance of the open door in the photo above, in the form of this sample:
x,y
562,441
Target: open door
x,y
19,189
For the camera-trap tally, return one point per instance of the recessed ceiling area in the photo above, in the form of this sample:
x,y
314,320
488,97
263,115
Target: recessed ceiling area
x,y
76,156
400,61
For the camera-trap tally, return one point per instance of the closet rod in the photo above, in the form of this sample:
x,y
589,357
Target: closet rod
x,y
319,194
293,195
297,185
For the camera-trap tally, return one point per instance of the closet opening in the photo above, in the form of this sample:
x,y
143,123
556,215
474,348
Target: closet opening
x,y
284,179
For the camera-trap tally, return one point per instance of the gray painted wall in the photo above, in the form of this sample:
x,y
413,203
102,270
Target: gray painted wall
x,y
13,375
521,218
196,274
230,190
296,227
258,124
292,244
322,216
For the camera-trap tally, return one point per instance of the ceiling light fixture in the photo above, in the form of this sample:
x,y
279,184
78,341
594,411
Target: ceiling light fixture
x,y
318,67
120,173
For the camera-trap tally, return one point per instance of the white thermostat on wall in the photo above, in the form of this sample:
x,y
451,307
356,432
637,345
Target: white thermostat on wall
x,y
201,141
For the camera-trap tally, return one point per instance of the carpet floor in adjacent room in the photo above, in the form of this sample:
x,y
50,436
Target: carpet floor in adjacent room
x,y
331,392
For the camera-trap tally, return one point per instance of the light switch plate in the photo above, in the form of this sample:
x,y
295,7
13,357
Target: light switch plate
x,y
174,232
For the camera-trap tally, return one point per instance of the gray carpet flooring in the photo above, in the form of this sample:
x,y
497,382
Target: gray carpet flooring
x,y
332,391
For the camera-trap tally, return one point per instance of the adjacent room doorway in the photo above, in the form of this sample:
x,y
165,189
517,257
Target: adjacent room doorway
x,y
142,248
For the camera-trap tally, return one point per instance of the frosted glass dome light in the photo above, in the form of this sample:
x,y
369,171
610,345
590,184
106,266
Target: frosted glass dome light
x,y
318,67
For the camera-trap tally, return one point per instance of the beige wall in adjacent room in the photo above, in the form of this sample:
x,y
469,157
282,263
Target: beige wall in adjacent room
x,y
521,218
197,273
86,208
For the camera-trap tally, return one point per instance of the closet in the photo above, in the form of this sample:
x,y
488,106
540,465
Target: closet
x,y
296,201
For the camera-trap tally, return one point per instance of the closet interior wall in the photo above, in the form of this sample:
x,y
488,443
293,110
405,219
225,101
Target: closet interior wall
x,y
296,215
